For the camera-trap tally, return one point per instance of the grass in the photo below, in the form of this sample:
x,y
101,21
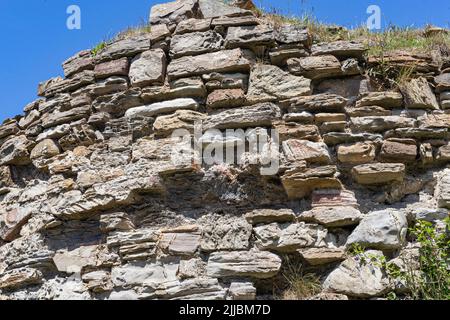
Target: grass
x,y
296,284
99,47
384,74
142,28
378,43
390,39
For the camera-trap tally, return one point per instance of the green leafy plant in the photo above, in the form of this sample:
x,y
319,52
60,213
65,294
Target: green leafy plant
x,y
432,280
99,47
426,277
356,249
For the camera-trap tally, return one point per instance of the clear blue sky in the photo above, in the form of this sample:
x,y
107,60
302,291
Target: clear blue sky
x,y
35,39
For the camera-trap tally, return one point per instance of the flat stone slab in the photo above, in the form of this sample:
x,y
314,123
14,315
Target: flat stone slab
x,y
162,107
378,173
254,264
236,60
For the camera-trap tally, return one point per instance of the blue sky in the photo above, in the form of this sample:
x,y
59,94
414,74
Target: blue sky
x,y
35,39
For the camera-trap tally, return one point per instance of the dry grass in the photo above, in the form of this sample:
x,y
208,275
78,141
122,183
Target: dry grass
x,y
132,31
296,283
390,39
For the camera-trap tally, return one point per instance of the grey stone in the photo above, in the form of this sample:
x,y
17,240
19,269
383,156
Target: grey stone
x,y
442,82
315,103
332,217
380,124
174,12
348,87
289,34
249,36
192,268
15,151
217,8
216,81
180,243
321,256
54,133
193,25
443,192
262,114
289,237
254,264
108,86
417,133
181,119
44,85
150,275
55,118
118,221
280,55
357,279
242,291
8,129
335,138
418,95
226,22
73,261
270,215
118,103
59,101
180,88
128,47
315,67
235,60
98,281
45,149
192,289
71,84
386,99
270,83
83,60
430,215
148,68
162,107
340,49
384,230
224,233
195,43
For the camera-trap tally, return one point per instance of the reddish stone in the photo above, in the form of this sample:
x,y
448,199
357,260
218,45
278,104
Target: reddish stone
x,y
118,67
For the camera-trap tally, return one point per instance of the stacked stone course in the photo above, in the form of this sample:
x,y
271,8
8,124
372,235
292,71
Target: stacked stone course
x,y
93,207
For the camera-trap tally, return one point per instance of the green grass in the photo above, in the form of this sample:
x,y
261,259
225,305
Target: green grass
x,y
99,47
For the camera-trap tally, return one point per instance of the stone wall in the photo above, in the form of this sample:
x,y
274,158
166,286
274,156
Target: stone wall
x,y
93,207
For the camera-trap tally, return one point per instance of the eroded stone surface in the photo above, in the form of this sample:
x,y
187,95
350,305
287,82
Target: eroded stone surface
x,y
98,200
255,264
356,279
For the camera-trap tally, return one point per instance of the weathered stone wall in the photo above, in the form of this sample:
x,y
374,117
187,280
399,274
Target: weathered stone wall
x,y
92,207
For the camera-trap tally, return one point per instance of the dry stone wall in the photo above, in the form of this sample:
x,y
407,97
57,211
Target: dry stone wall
x,y
94,207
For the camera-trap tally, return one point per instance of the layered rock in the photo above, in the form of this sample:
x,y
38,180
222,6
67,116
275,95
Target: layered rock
x,y
143,173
